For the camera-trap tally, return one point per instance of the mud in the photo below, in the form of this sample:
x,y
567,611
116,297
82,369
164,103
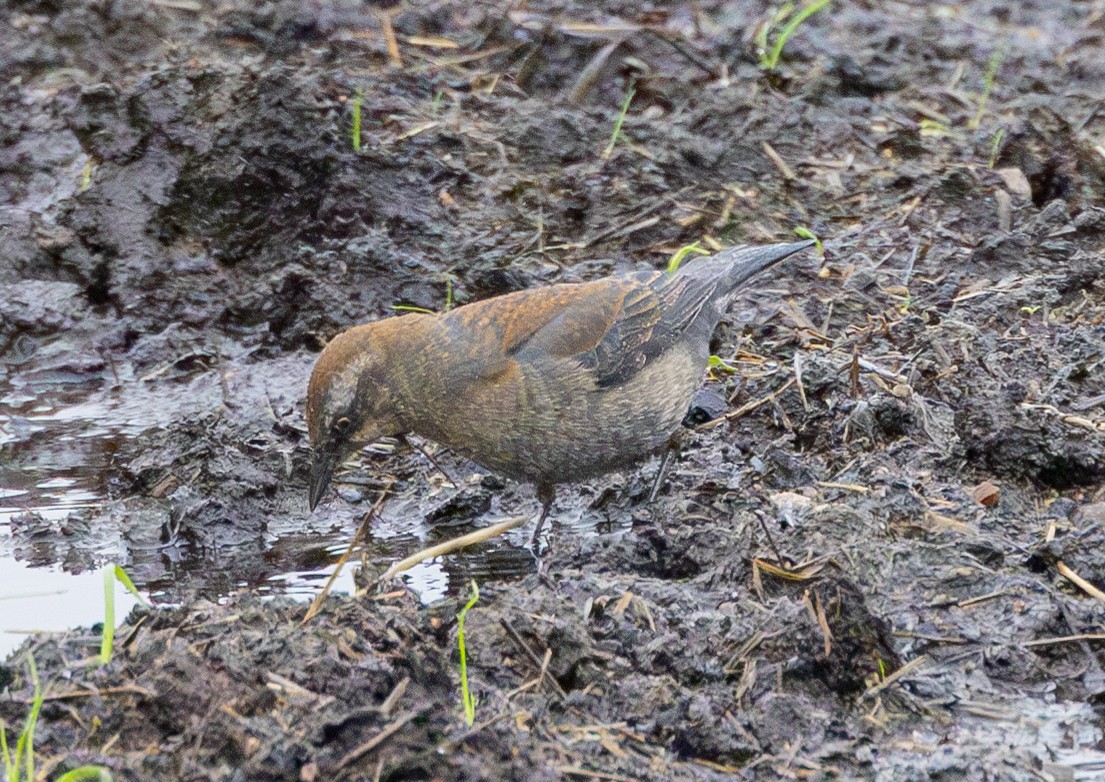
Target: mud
x,y
882,565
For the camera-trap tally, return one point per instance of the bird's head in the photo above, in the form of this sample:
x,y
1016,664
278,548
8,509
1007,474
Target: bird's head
x,y
350,402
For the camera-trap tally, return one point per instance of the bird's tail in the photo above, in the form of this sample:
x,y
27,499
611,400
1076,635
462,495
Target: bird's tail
x,y
734,267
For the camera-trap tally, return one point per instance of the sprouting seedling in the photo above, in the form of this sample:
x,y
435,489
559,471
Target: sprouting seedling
x,y
770,57
113,573
718,363
681,255
22,761
995,147
806,233
355,133
987,86
412,308
86,176
449,302
465,693
87,774
765,27
618,122
935,128
437,102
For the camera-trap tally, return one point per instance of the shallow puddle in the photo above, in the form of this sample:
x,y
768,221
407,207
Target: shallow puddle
x,y
59,444
49,600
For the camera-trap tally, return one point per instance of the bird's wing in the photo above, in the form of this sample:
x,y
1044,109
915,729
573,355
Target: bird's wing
x,y
653,316
613,327
609,328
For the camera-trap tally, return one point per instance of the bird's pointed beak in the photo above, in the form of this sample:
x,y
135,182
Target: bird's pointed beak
x,y
322,468
754,260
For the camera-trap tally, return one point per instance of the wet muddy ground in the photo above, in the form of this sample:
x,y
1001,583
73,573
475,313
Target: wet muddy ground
x,y
886,563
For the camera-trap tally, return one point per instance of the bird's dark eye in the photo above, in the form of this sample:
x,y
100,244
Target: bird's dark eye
x,y
341,425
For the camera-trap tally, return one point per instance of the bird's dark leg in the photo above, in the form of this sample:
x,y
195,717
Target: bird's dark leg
x,y
546,493
665,464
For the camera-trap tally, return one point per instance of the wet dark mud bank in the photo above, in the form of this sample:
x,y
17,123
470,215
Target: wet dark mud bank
x,y
922,429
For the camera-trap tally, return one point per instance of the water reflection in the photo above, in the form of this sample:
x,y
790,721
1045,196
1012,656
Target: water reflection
x,y
60,441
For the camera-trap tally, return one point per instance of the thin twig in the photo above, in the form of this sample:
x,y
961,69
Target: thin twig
x,y
586,773
746,408
777,159
429,457
982,598
691,57
909,667
1065,639
770,540
449,546
537,661
390,41
1078,581
316,604
359,752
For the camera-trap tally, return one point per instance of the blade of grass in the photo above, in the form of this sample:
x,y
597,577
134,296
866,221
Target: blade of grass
x,y
995,147
717,362
987,86
465,692
113,573
25,746
122,577
606,153
771,59
87,774
5,752
681,255
107,635
806,233
358,99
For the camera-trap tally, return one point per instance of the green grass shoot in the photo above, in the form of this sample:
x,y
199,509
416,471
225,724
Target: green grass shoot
x,y
806,233
87,774
412,308
450,302
717,362
358,99
681,255
20,766
465,692
113,573
987,86
934,128
995,147
437,102
765,28
617,132
770,58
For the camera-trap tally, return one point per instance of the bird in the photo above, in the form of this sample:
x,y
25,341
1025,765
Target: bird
x,y
547,385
